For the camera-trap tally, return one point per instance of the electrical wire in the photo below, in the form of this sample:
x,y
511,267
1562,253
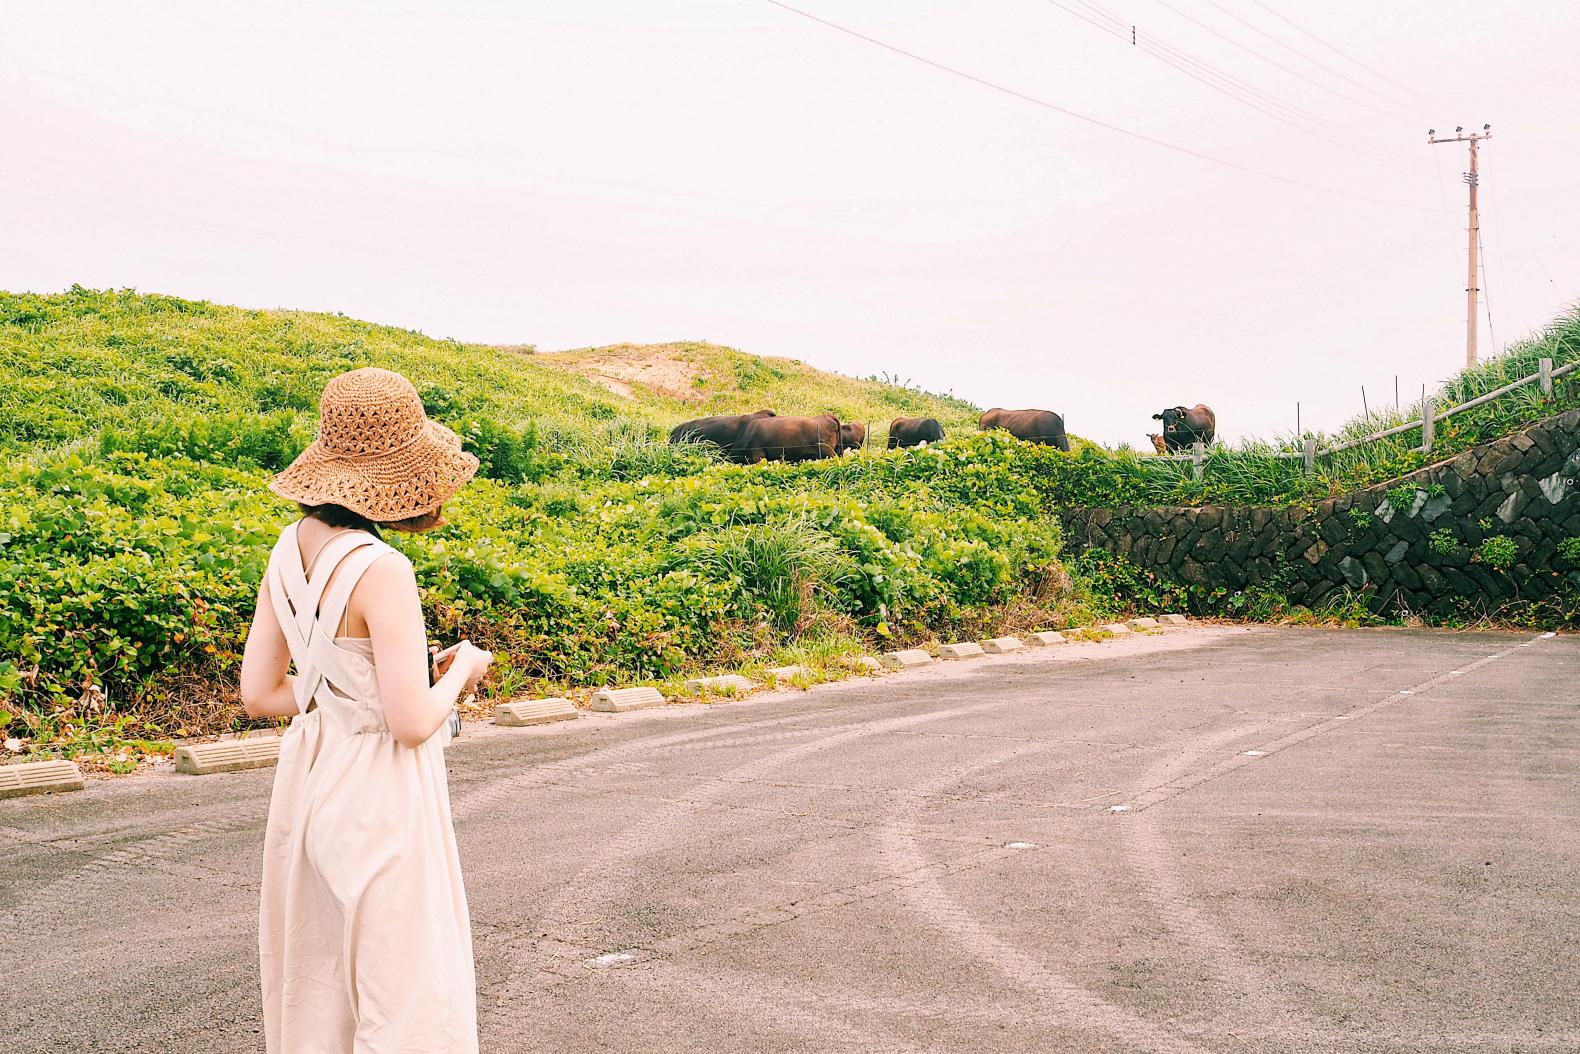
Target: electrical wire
x,y
1342,54
1486,290
1228,84
1243,91
1129,133
1278,65
1253,27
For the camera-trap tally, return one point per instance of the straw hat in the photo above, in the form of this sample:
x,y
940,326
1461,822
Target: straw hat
x,y
377,453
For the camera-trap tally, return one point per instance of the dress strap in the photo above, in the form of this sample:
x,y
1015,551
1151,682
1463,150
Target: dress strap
x,y
298,598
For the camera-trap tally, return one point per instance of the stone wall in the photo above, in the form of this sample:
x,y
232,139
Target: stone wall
x,y
1421,552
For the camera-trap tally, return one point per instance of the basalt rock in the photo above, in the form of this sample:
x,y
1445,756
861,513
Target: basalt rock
x,y
1525,487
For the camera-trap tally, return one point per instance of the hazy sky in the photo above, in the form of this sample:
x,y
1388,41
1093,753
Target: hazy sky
x,y
578,172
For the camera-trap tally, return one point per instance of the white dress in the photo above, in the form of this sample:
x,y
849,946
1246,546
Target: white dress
x,y
363,934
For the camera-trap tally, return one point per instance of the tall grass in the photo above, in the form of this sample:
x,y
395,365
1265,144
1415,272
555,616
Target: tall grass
x,y
1252,472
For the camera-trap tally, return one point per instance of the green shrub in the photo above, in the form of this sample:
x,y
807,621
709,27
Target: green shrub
x,y
1442,541
1569,549
1402,499
1498,552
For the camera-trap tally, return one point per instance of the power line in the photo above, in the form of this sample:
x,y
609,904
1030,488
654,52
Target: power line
x,y
1278,65
1253,27
1243,91
1342,54
1142,136
1486,292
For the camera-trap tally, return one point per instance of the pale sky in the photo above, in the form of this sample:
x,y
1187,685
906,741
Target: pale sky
x,y
579,172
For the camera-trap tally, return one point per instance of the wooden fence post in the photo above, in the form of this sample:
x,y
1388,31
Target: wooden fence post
x,y
1547,376
1311,454
1428,424
1198,454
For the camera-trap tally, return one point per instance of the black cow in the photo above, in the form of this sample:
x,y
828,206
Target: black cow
x,y
1183,426
723,431
912,431
789,439
1034,426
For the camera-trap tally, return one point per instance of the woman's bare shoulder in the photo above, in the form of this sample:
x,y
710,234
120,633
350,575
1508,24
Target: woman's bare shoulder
x,y
392,569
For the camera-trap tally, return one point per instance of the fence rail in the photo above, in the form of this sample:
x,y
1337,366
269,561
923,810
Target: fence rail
x,y
1427,423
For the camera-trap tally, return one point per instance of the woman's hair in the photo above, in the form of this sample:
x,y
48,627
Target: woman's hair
x,y
340,516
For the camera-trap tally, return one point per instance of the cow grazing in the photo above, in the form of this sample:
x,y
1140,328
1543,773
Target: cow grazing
x,y
789,439
852,437
1034,426
1184,426
723,431
913,431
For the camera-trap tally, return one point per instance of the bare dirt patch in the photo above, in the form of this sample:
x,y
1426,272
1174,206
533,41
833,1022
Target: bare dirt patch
x,y
624,368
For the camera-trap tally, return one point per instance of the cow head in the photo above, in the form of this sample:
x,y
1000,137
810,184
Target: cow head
x,y
852,437
1158,441
1173,419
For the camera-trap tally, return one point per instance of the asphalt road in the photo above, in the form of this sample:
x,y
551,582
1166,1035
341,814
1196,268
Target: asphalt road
x,y
931,861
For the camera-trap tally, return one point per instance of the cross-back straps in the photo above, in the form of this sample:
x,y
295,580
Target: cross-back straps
x,y
303,604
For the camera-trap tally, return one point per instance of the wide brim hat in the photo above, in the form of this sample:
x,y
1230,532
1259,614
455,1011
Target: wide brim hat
x,y
377,452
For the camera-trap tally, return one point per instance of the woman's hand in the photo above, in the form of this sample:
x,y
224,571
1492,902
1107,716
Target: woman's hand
x,y
472,660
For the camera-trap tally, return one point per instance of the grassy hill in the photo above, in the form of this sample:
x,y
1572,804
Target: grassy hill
x,y
139,430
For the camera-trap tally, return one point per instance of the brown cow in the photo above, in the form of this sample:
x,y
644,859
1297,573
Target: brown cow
x,y
852,437
1034,426
913,431
789,439
724,431
1183,427
1157,441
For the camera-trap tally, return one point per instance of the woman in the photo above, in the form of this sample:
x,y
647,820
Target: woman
x,y
363,932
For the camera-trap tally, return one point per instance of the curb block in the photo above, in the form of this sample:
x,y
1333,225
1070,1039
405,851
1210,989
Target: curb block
x,y
1172,620
1003,645
1118,629
39,777
966,649
619,700
205,759
867,662
786,673
534,712
1144,623
724,683
908,659
1042,640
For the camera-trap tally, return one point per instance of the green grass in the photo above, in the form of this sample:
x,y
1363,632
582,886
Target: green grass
x,y
1250,474
139,432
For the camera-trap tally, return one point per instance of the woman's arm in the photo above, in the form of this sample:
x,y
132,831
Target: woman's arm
x,y
388,601
266,688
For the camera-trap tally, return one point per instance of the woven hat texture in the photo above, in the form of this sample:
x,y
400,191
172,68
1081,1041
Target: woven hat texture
x,y
377,453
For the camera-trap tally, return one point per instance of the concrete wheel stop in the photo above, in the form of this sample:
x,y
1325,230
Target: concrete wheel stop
x,y
39,777
621,700
725,684
522,712
228,755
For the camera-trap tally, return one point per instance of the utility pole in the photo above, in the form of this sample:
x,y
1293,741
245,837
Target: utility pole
x,y
1472,179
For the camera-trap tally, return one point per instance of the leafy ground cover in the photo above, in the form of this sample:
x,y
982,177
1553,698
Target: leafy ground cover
x,y
1250,474
138,432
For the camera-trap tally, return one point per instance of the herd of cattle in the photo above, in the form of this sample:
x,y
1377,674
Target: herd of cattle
x,y
765,436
